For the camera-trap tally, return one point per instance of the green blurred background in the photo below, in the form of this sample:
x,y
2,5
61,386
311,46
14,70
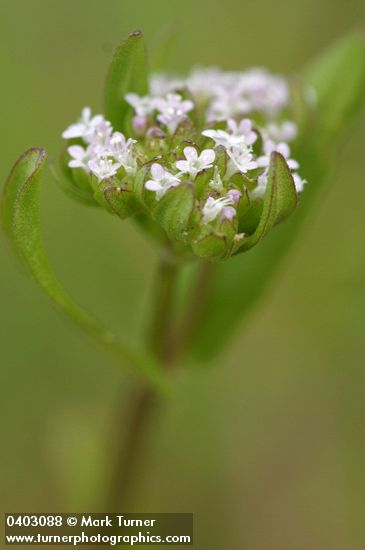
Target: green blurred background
x,y
267,446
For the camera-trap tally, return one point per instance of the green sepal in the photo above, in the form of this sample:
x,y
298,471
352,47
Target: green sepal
x,y
228,228
280,200
221,159
201,183
127,73
173,211
99,187
70,185
145,198
122,201
213,246
249,218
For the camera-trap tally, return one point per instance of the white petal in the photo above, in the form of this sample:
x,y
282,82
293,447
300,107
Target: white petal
x,y
153,185
245,126
86,114
187,105
232,125
76,164
190,153
207,156
210,133
76,151
182,165
132,99
74,131
283,149
263,162
157,171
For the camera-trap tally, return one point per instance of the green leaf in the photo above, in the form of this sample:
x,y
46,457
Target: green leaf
x,y
238,285
21,222
338,78
279,202
173,211
127,73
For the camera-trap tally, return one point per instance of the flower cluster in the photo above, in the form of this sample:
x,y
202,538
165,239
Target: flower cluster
x,y
201,146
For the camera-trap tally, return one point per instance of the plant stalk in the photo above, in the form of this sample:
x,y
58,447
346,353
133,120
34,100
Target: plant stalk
x,y
161,343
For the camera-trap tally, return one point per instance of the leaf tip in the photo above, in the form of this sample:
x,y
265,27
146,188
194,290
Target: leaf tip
x,y
135,34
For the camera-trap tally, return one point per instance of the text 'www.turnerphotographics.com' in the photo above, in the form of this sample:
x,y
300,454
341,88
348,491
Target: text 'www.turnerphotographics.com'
x,y
104,529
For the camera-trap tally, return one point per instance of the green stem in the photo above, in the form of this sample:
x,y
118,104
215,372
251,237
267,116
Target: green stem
x,y
195,308
161,336
130,443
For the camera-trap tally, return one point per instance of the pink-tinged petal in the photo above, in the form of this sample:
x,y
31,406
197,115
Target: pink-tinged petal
x,y
252,165
99,119
182,165
157,171
190,153
187,105
76,151
212,134
86,114
235,195
153,185
73,131
232,125
283,149
207,156
228,213
245,126
76,164
293,164
262,162
132,99
251,138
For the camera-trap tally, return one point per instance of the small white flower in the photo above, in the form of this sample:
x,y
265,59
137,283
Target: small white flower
x,y
84,126
216,183
173,110
228,213
259,190
263,179
227,104
162,84
121,149
267,93
282,148
286,131
103,167
213,207
194,163
228,141
299,182
241,160
162,180
80,157
143,105
244,129
235,195
99,135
